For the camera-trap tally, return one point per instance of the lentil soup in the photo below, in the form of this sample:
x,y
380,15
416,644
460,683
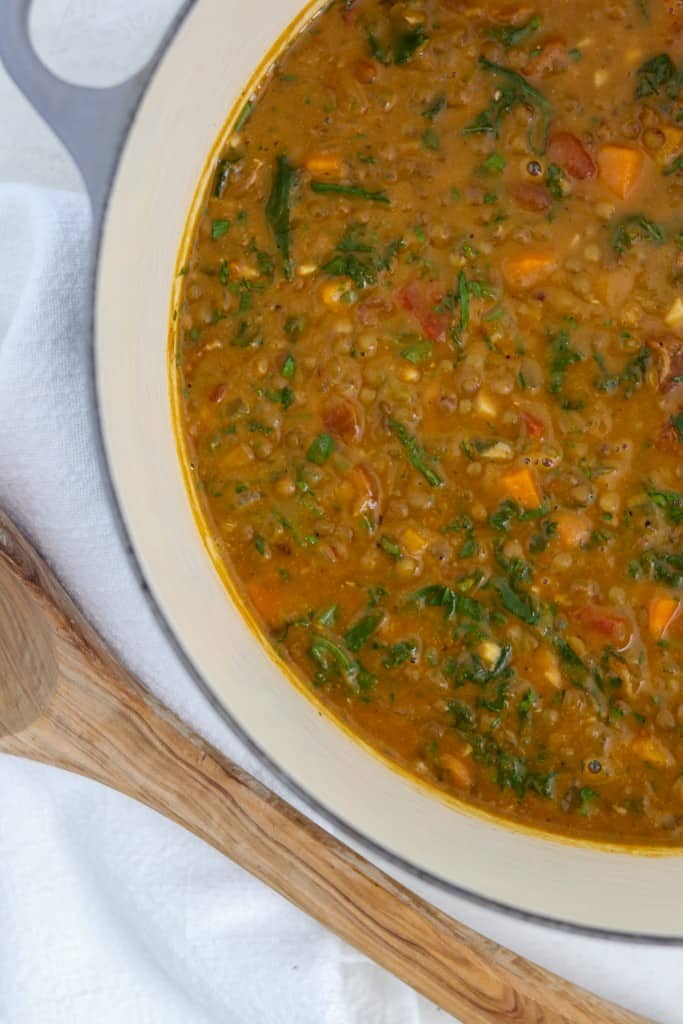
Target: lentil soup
x,y
429,353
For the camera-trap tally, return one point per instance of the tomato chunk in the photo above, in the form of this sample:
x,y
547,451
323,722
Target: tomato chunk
x,y
422,304
603,622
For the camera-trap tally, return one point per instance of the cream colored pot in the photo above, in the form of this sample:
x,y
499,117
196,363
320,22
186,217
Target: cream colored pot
x,y
206,68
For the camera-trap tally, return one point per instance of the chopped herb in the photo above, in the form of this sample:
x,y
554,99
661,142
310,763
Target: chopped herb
x,y
320,449
513,90
328,616
586,798
400,48
350,190
435,107
278,208
219,228
430,140
358,635
375,595
294,326
567,653
539,541
399,653
417,352
556,181
495,163
415,453
289,367
671,502
260,544
562,357
677,424
675,167
526,704
658,76
244,116
358,259
223,169
633,228
509,510
464,299
514,773
437,595
515,35
246,336
519,604
630,378
390,546
472,669
330,657
283,396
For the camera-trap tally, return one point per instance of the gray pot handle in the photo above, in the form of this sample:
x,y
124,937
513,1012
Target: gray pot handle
x,y
91,123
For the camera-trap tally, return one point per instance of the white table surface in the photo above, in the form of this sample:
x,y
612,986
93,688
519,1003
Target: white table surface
x,y
99,42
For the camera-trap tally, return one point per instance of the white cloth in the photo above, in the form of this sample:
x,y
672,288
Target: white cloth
x,y
108,913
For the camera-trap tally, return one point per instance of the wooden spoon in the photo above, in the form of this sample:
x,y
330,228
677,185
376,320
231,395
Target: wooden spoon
x,y
65,701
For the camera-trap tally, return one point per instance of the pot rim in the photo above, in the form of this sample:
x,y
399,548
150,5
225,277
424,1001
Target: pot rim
x,y
147,587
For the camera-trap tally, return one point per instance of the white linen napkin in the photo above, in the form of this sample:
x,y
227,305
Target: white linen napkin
x,y
109,913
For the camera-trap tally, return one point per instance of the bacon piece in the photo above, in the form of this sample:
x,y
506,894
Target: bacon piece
x,y
365,71
668,439
531,195
572,156
368,491
342,418
218,393
668,353
372,311
603,622
349,10
535,427
553,57
421,302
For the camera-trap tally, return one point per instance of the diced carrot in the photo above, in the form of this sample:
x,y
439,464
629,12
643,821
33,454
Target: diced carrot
x,y
519,484
413,541
526,269
573,528
322,163
661,612
652,750
620,168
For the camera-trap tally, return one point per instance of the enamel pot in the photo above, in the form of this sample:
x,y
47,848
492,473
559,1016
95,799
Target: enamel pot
x,y
142,150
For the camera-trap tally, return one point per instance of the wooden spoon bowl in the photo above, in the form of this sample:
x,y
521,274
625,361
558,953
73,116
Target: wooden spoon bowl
x,y
65,701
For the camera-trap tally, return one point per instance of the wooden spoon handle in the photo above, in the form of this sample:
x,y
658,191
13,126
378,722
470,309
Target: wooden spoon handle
x,y
101,723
